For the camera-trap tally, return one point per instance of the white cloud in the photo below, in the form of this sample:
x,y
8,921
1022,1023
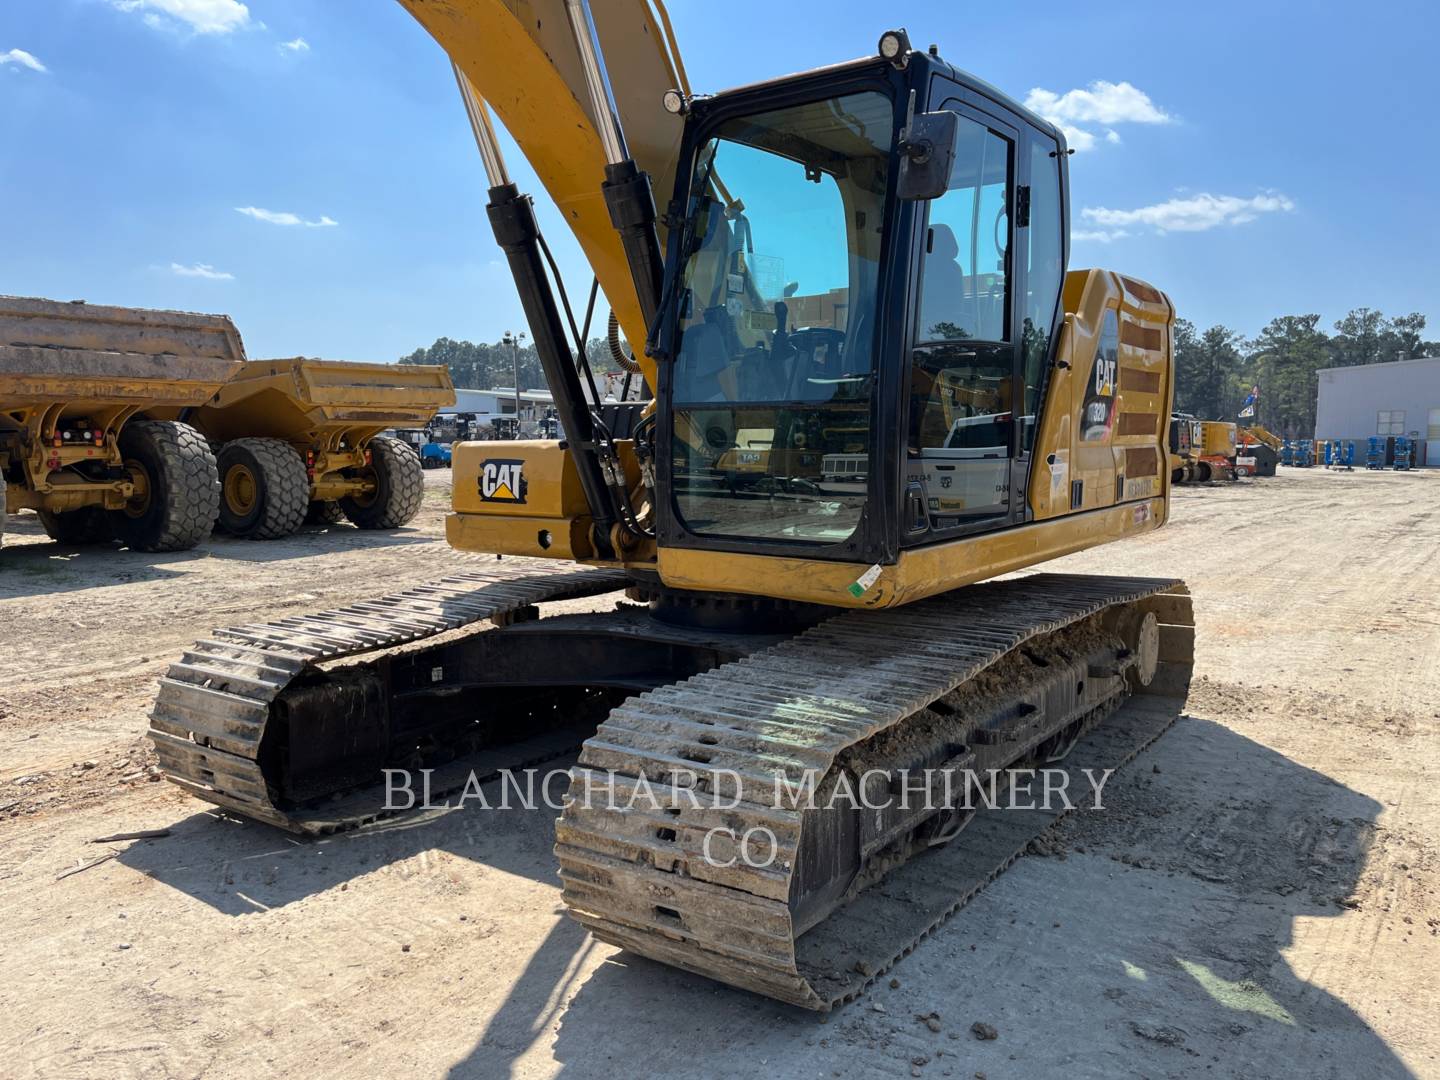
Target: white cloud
x,y
1097,236
1195,213
201,16
23,58
283,217
299,45
1101,103
201,270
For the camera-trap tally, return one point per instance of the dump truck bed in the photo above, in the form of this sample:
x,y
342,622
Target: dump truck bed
x,y
54,352
289,398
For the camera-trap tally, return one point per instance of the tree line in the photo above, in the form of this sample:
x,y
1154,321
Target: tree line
x,y
1215,369
484,367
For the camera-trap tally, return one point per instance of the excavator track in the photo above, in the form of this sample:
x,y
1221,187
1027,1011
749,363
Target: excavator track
x,y
213,706
640,878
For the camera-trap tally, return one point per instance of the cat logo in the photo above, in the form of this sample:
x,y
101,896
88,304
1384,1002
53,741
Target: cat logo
x,y
1105,376
502,480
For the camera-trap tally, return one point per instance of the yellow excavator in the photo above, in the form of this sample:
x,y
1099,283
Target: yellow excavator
x,y
871,385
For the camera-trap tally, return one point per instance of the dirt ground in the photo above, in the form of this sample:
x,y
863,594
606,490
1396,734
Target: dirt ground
x,y
1257,899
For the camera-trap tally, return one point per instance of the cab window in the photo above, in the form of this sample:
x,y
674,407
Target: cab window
x,y
963,286
962,380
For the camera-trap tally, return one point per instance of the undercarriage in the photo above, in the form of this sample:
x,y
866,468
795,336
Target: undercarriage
x,y
750,775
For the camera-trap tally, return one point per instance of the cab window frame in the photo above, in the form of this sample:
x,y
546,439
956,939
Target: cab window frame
x,y
875,538
959,99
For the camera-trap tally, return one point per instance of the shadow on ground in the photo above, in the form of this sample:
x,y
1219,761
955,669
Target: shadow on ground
x,y
240,867
1152,947
1155,951
47,567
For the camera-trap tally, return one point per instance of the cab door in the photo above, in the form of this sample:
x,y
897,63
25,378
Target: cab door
x,y
964,431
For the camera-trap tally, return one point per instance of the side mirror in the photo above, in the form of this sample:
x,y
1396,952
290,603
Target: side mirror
x,y
927,149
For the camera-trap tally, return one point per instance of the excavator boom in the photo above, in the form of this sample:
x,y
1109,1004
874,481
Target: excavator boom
x,y
521,58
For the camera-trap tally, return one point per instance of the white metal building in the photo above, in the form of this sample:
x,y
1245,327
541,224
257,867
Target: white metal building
x,y
501,402
1399,398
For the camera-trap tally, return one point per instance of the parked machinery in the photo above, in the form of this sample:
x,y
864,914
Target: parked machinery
x,y
1375,452
824,624
300,441
1257,451
1185,440
1201,450
549,427
1218,450
1404,453
434,455
1305,453
91,432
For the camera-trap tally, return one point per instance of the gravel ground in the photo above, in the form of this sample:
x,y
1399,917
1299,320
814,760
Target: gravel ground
x,y
1257,899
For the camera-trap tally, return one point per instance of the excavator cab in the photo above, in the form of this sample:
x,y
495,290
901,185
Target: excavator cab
x,y
863,283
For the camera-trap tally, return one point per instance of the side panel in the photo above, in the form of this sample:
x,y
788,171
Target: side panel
x,y
919,572
523,498
1104,427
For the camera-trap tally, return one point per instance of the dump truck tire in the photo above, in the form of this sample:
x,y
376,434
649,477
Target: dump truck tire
x,y
177,487
264,489
399,487
88,525
324,512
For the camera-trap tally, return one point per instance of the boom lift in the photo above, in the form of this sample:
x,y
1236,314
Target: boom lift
x,y
874,386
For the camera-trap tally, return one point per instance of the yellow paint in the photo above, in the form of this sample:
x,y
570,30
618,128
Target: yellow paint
x,y
552,486
1062,456
542,537
920,572
547,517
64,364
1257,433
521,58
328,407
552,520
1217,437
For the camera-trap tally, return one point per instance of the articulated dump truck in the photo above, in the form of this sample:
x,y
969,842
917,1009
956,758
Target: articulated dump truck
x,y
299,441
90,435
150,427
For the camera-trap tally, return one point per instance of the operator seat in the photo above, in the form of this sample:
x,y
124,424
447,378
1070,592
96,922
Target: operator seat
x,y
943,286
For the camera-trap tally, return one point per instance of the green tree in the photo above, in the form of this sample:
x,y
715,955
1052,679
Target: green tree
x,y
1287,354
1358,338
1366,336
1207,371
481,367
1405,337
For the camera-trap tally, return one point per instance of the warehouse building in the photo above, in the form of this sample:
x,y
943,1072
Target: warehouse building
x,y
1399,398
501,402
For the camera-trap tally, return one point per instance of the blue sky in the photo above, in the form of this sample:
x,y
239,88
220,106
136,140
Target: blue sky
x,y
1251,159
